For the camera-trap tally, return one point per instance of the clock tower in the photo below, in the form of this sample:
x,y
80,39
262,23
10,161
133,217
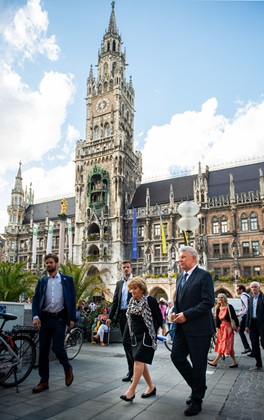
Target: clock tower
x,y
108,170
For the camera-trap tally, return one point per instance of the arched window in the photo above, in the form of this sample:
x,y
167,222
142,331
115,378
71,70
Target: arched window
x,y
244,222
114,68
215,225
253,221
96,133
120,167
114,45
224,226
105,69
107,130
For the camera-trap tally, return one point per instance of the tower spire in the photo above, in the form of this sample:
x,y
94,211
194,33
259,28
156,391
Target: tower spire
x,y
18,182
112,28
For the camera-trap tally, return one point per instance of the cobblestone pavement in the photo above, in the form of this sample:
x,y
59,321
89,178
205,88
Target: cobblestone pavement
x,y
232,393
245,400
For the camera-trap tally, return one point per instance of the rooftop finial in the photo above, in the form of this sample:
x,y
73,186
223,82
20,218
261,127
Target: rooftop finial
x,y
112,24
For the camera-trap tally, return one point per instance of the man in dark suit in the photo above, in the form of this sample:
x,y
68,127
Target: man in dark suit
x,y
118,309
194,326
255,323
53,308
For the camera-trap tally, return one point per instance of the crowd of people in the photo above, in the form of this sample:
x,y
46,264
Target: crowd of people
x,y
192,320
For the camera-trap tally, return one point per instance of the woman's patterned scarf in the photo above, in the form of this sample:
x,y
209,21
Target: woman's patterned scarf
x,y
142,308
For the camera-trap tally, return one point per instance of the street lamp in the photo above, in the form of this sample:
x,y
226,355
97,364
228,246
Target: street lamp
x,y
188,222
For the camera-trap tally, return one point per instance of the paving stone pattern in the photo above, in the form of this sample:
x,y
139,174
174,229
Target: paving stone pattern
x,y
231,394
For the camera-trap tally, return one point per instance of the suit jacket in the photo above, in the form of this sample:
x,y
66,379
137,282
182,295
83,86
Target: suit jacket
x,y
68,293
115,308
156,312
196,300
260,312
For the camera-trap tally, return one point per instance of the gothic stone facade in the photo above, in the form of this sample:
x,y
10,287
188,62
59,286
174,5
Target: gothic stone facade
x,y
108,187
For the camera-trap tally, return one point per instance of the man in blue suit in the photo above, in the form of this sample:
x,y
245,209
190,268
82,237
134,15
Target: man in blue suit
x,y
53,308
194,326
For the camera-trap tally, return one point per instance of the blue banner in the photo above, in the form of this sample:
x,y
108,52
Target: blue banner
x,y
134,236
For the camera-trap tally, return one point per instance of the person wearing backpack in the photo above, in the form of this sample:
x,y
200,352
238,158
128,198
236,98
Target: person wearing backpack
x,y
242,316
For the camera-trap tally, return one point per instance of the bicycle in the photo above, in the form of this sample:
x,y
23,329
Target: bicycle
x,y
73,340
166,339
17,355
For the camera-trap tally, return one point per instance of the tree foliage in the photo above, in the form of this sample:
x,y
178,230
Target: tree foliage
x,y
15,281
85,284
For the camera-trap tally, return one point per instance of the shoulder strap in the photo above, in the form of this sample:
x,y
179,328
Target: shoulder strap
x,y
229,313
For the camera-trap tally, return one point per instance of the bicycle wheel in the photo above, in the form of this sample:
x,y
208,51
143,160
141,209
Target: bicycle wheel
x,y
169,341
6,363
26,352
73,342
212,343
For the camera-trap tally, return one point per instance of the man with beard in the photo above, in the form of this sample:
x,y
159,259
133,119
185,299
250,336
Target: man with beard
x,y
53,308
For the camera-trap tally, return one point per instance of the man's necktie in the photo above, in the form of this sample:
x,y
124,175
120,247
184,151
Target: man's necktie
x,y
184,279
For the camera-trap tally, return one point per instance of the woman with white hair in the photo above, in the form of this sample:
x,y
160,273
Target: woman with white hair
x,y
225,333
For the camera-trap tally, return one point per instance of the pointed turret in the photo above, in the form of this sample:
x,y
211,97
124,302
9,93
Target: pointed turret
x,y
147,200
171,197
16,209
232,189
18,188
90,77
261,184
112,28
200,187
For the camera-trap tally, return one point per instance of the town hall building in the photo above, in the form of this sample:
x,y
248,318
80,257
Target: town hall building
x,y
109,190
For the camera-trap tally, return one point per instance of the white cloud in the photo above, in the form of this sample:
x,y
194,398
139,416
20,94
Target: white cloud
x,y
204,136
27,33
53,182
71,136
31,121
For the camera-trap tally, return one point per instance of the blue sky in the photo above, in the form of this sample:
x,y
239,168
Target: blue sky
x,y
197,69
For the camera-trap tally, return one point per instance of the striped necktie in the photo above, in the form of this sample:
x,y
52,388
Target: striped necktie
x,y
184,279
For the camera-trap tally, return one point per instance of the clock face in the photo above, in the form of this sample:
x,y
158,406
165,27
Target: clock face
x,y
102,105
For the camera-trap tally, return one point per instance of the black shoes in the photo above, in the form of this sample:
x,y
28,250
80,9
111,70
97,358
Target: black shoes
x,y
246,351
233,366
193,409
211,364
150,394
128,378
189,400
250,355
124,398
